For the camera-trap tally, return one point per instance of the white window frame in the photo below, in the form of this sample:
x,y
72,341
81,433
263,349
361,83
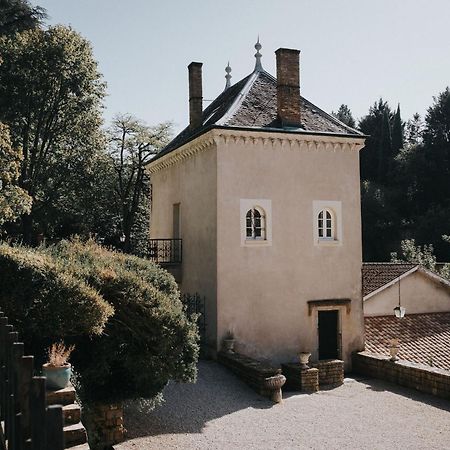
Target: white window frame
x,y
335,210
264,206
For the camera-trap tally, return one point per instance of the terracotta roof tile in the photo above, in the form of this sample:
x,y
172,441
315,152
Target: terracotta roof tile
x,y
424,338
376,275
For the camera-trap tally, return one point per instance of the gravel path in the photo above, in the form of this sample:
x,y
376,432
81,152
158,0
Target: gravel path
x,y
220,412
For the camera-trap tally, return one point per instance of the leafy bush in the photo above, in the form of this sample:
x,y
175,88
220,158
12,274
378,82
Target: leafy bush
x,y
44,300
147,342
123,313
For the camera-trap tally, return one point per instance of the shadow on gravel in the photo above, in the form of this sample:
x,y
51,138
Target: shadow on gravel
x,y
188,407
382,386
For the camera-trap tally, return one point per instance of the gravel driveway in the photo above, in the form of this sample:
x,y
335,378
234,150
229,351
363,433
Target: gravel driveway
x,y
220,412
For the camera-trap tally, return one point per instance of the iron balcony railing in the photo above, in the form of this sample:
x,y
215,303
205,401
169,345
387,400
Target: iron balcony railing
x,y
165,251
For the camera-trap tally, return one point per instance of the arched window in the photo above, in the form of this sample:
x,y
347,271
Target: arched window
x,y
326,225
255,224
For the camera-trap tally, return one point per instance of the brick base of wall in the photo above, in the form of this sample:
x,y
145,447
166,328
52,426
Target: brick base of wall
x,y
104,424
404,373
305,380
331,372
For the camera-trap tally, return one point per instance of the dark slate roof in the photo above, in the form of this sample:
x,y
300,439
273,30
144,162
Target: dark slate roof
x,y
424,338
376,275
252,103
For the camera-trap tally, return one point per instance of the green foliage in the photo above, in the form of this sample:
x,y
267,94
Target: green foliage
x,y
132,144
423,255
345,115
50,96
397,132
14,201
19,15
148,341
44,300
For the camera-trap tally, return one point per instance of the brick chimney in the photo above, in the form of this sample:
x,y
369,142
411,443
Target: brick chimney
x,y
288,87
195,95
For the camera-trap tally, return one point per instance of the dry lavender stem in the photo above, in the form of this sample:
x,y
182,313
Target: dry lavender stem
x,y
58,354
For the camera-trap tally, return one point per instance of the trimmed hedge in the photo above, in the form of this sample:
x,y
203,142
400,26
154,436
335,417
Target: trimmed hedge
x,y
147,342
123,313
44,300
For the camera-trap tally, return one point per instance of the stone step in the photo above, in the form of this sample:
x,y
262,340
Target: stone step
x,y
71,414
75,435
63,397
80,447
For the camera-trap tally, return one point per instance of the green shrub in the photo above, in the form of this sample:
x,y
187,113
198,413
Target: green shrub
x,y
147,342
45,301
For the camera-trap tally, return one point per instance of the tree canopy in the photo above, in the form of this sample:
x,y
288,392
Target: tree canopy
x,y
14,201
19,15
51,97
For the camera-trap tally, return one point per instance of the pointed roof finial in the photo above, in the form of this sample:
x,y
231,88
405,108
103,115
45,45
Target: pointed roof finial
x,y
227,76
258,56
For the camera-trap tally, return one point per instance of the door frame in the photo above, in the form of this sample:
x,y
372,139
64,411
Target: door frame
x,y
340,311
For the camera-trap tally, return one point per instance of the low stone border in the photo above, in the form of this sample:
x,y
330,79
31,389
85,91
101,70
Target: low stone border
x,y
298,379
263,378
404,373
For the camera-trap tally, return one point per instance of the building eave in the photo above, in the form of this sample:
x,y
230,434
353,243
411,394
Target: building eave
x,y
259,130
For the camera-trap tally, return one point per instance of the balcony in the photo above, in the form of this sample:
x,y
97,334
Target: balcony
x,y
165,251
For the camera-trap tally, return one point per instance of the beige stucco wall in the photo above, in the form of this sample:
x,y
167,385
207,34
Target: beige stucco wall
x,y
191,182
262,291
418,294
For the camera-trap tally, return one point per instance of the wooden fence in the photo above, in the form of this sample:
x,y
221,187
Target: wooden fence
x,y
26,422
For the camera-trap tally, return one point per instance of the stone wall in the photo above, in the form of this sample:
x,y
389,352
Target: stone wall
x,y
305,380
404,373
331,372
104,424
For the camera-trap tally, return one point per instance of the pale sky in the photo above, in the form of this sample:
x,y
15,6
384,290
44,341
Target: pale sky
x,y
352,51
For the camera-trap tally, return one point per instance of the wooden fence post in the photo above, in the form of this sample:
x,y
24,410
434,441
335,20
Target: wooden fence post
x,y
18,349
25,377
13,337
54,427
3,323
37,409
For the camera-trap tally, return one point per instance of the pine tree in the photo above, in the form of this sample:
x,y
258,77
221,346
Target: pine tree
x,y
344,115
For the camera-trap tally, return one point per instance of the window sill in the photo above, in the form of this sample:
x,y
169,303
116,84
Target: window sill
x,y
256,243
328,242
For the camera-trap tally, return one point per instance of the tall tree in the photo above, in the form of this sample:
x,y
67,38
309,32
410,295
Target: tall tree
x,y
132,145
413,130
19,15
374,125
50,96
397,132
384,149
345,115
14,201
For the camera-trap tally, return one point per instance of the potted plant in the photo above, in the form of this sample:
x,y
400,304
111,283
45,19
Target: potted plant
x,y
58,370
393,348
228,342
304,358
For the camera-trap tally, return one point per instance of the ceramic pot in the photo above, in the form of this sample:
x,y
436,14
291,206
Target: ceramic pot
x,y
304,358
57,377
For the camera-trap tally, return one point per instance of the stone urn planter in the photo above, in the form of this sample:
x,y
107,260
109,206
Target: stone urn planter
x,y
304,359
393,349
274,385
228,342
